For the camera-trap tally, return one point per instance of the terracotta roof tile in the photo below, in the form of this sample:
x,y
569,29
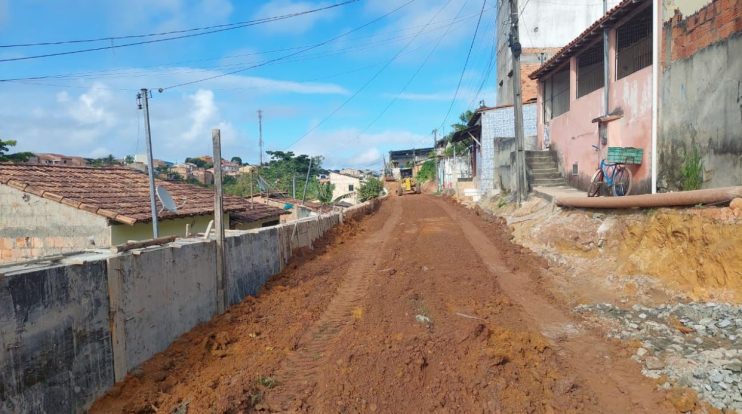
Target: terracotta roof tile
x,y
119,193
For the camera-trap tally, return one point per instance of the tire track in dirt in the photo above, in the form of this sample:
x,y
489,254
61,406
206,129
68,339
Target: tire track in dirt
x,y
298,374
616,382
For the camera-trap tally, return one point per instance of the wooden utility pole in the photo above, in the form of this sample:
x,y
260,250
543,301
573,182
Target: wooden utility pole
x,y
143,98
260,130
520,159
219,221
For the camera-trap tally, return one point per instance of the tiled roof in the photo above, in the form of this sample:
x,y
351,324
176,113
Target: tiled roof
x,y
118,193
591,33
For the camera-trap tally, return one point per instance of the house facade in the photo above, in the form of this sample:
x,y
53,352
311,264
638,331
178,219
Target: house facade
x,y
46,210
345,186
700,92
544,26
497,137
673,92
572,120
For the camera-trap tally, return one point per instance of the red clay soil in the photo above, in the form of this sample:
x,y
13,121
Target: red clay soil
x,y
422,307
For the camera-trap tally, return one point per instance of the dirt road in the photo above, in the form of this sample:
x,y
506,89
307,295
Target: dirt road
x,y
423,307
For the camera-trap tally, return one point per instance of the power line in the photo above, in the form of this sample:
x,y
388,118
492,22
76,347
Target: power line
x,y
290,54
414,75
163,68
369,81
466,62
232,26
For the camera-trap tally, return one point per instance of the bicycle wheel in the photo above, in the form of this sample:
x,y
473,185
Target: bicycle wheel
x,y
596,183
622,181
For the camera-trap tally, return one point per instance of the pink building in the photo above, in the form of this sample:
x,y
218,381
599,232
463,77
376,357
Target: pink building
x,y
571,118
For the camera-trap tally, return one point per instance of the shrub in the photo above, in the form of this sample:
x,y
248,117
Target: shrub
x,y
692,170
371,188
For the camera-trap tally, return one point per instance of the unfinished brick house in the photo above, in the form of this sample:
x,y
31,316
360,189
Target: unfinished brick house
x,y
46,210
700,91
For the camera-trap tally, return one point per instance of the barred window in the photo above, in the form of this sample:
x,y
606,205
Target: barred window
x,y
634,44
556,94
590,70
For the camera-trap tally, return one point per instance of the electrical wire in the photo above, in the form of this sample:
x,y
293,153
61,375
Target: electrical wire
x,y
466,62
144,42
163,67
368,82
315,46
414,75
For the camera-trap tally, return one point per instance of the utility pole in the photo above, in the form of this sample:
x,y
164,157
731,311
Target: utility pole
x,y
306,183
219,220
603,135
143,98
260,129
435,158
515,49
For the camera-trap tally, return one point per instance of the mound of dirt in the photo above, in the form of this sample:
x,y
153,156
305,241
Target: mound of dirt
x,y
693,251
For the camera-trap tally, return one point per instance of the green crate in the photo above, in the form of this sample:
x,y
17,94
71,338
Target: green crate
x,y
625,155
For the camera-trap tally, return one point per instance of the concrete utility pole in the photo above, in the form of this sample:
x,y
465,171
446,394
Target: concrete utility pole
x,y
260,129
520,159
219,220
306,183
143,98
435,158
603,138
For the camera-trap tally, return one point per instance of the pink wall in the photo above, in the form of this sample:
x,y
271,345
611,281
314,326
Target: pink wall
x,y
573,133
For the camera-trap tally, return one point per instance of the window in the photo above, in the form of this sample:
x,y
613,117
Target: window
x,y
634,44
556,94
590,70
350,187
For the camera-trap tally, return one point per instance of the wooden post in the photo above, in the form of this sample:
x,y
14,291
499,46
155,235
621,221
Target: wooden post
x,y
219,220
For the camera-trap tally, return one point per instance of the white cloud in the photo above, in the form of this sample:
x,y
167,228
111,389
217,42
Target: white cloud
x,y
203,113
294,25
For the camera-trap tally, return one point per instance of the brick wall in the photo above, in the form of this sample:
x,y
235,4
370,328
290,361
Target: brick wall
x,y
686,35
32,226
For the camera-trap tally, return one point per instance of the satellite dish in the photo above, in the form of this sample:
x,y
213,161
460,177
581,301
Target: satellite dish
x,y
167,201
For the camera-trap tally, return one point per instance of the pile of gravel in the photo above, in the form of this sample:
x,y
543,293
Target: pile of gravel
x,y
696,345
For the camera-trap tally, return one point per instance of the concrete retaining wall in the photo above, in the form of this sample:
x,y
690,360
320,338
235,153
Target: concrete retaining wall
x,y
55,342
68,331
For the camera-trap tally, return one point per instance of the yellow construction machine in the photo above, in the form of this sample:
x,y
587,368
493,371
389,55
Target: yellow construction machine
x,y
407,183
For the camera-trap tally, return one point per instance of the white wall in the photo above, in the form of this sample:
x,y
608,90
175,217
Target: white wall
x,y
342,183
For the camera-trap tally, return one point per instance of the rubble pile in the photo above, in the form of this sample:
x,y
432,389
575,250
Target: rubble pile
x,y
695,345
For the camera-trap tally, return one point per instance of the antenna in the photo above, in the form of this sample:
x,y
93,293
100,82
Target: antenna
x,y
167,201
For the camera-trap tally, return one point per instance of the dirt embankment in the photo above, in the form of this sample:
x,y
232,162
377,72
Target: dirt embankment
x,y
694,252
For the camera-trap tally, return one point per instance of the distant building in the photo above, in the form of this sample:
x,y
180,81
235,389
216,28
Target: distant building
x,y
142,158
406,159
55,209
41,158
205,177
345,187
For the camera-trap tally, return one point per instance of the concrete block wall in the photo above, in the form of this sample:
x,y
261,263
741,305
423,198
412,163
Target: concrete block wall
x,y
55,342
68,331
32,226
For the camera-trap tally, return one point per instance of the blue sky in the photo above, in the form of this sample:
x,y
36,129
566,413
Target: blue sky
x,y
93,112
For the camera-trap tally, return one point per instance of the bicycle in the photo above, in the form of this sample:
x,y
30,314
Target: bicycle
x,y
613,175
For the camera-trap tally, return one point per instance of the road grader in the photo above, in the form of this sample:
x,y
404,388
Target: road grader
x,y
407,183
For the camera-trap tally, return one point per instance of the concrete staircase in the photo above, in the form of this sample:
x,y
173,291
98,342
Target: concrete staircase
x,y
543,170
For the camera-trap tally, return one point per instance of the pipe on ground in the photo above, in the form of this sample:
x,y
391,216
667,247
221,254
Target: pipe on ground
x,y
678,199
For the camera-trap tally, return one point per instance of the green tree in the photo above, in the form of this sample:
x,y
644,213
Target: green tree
x,y
198,162
17,157
129,159
324,192
426,172
237,160
371,188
